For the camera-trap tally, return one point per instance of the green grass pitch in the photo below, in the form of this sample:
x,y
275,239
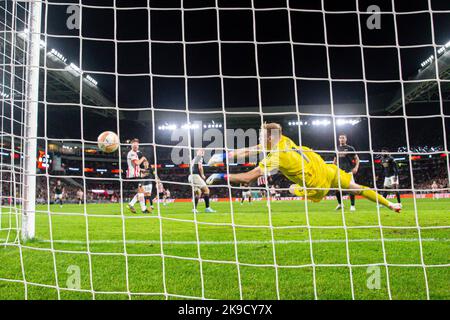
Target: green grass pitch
x,y
173,270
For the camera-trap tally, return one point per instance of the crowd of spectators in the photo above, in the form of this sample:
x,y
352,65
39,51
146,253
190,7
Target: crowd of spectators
x,y
425,172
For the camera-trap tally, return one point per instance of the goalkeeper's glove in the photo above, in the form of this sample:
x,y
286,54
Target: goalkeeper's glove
x,y
217,158
216,177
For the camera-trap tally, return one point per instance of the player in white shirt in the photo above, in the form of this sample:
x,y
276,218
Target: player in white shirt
x,y
134,172
273,193
434,191
246,193
166,197
160,190
197,180
80,196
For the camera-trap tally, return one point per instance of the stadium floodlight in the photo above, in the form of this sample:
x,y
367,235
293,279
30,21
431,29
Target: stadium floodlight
x,y
74,70
342,122
167,127
190,126
91,80
55,55
296,123
428,61
4,95
323,123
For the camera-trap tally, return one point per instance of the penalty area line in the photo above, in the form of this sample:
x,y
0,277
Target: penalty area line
x,y
243,242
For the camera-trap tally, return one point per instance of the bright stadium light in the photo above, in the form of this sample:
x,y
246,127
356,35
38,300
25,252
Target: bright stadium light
x,y
167,127
323,123
342,122
190,126
55,55
74,69
296,123
428,61
4,95
91,80
212,125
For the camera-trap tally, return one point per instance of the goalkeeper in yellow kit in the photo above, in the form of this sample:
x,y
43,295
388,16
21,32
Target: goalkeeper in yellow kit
x,y
312,177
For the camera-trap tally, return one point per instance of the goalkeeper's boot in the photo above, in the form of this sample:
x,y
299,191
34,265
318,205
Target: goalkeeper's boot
x,y
194,211
210,210
338,207
352,208
215,177
131,208
146,211
397,207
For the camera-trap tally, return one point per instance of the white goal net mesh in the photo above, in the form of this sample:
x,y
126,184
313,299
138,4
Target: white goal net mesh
x,y
181,76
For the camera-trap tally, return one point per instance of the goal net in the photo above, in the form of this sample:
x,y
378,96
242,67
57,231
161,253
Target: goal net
x,y
363,84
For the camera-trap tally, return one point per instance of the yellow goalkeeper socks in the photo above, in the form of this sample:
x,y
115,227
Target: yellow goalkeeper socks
x,y
373,196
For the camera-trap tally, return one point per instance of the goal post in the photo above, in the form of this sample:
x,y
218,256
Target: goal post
x,y
31,120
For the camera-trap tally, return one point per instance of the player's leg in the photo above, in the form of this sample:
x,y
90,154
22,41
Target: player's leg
x,y
339,199
352,196
149,187
197,194
205,191
346,182
134,200
397,193
373,196
147,190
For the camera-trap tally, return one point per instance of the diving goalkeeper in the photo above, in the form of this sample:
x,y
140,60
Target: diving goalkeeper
x,y
312,177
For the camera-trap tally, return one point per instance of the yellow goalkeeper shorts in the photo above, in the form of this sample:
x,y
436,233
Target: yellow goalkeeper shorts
x,y
320,181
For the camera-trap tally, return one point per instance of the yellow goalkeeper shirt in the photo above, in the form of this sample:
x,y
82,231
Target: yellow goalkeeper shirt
x,y
305,168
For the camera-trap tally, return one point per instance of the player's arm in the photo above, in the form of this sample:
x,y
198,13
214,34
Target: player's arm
x,y
138,162
244,178
234,154
201,170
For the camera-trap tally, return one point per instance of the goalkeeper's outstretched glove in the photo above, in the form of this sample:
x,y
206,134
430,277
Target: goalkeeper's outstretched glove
x,y
216,177
217,158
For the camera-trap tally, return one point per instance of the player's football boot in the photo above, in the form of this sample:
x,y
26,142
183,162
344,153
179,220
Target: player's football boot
x,y
210,210
352,208
338,207
194,211
131,208
214,177
146,211
397,207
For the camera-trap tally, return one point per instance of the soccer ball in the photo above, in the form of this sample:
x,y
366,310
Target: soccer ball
x,y
108,141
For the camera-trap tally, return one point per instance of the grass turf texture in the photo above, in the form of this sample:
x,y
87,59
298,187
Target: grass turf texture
x,y
103,273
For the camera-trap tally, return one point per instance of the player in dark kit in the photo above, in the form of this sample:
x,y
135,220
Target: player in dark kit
x,y
390,171
149,184
59,191
349,162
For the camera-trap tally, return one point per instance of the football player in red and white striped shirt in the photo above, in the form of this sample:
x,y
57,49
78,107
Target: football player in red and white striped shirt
x,y
134,172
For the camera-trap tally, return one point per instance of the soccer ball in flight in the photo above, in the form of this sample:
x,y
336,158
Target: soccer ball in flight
x,y
108,141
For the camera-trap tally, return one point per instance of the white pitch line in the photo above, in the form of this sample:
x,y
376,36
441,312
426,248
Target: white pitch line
x,y
255,242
